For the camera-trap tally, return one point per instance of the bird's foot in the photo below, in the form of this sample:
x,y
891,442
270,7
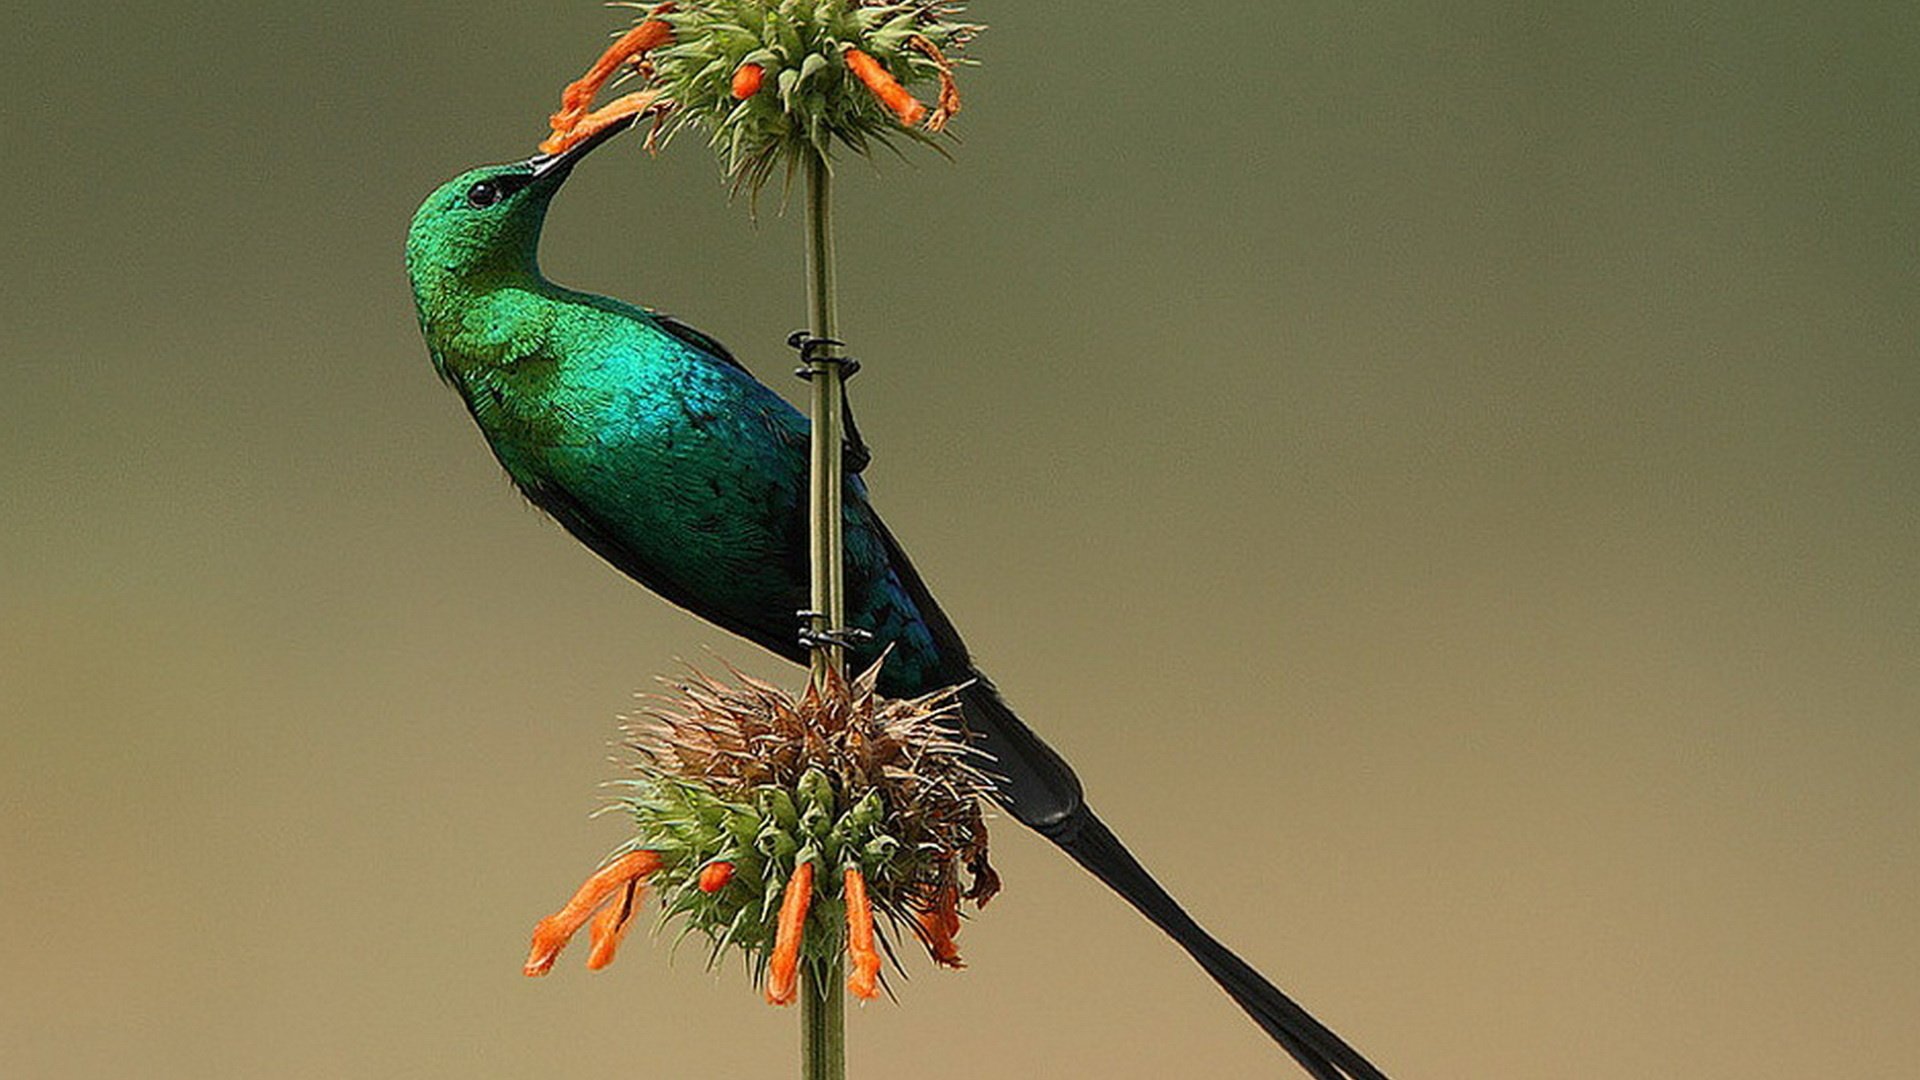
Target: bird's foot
x,y
818,350
844,638
855,455
847,637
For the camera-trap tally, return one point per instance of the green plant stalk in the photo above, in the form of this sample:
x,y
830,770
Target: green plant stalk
x,y
823,1039
828,556
823,1021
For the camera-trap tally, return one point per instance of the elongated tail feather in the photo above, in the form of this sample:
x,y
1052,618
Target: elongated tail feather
x,y
1039,789
1321,1052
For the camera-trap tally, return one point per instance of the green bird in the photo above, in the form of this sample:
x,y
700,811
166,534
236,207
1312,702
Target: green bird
x,y
653,446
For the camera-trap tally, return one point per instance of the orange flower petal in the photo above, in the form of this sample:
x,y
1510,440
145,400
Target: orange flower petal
x,y
939,924
552,933
864,976
746,81
714,876
904,106
610,926
950,913
578,97
783,970
591,124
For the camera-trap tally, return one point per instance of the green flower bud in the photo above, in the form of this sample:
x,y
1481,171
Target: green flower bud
x,y
742,827
816,823
816,791
880,849
776,803
777,845
867,812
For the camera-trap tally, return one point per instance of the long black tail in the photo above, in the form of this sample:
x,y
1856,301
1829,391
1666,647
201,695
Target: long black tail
x,y
1317,1049
1039,789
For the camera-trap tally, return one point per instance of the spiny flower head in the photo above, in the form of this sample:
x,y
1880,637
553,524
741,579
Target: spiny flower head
x,y
771,81
768,823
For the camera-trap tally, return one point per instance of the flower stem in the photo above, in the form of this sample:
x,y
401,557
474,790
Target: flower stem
x,y
823,1039
823,1026
827,554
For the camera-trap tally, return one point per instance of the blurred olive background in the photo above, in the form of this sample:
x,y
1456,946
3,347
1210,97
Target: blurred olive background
x,y
1446,474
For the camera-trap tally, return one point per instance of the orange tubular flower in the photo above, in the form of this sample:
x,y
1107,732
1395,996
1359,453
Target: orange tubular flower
x,y
863,979
611,925
715,876
577,98
904,106
594,121
746,81
554,931
783,971
939,924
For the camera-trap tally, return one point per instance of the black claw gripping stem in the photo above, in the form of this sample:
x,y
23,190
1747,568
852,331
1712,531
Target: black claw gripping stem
x,y
855,455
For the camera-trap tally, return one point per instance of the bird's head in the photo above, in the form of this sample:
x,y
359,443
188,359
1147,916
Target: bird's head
x,y
487,221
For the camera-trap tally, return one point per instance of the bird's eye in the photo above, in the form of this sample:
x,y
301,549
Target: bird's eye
x,y
483,194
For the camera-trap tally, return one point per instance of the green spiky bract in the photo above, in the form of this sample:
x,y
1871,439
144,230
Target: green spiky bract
x,y
750,775
809,101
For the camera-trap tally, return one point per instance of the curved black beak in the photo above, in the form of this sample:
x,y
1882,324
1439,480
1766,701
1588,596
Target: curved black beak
x,y
560,164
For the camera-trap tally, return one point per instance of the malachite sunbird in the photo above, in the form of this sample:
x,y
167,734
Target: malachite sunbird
x,y
653,446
